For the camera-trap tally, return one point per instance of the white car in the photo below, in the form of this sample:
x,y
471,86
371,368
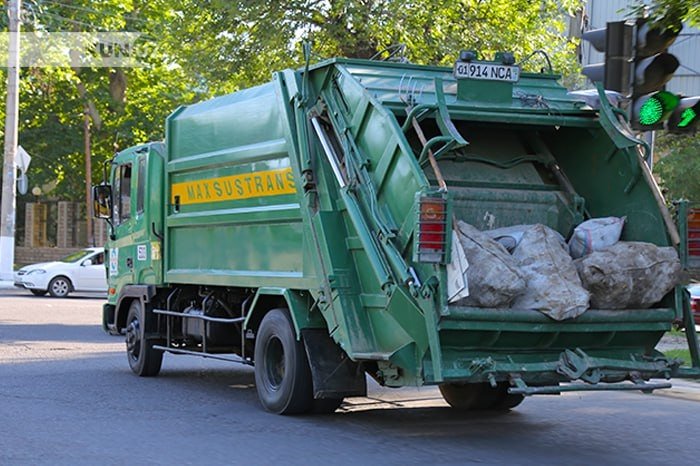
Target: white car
x,y
81,271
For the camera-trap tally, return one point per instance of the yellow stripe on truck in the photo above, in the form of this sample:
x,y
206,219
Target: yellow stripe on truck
x,y
234,187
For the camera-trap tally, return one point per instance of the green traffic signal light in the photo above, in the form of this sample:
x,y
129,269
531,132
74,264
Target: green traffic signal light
x,y
653,109
651,112
687,117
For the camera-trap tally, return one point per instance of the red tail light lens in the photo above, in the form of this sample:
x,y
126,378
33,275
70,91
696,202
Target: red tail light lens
x,y
432,229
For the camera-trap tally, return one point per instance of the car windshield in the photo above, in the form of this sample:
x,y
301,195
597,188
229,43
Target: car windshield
x,y
694,289
76,256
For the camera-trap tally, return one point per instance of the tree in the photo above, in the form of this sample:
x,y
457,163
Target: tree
x,y
126,106
668,12
253,38
201,48
679,167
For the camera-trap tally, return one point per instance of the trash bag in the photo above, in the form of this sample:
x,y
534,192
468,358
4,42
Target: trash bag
x,y
493,276
595,234
553,285
629,275
508,237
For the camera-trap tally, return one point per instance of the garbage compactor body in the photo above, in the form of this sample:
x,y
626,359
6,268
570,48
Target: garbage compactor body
x,y
332,193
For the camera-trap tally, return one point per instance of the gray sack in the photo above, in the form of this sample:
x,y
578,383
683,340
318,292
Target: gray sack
x,y
553,286
493,275
629,275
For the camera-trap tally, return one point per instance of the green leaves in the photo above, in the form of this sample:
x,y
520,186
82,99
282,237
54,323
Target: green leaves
x,y
679,166
200,48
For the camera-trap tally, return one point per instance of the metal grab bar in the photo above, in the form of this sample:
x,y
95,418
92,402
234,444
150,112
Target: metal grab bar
x,y
330,152
200,317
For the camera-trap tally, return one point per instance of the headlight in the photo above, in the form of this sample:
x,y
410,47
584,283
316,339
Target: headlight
x,y
39,271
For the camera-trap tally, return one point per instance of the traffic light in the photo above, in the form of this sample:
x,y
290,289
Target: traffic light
x,y
685,116
653,68
649,111
616,40
638,66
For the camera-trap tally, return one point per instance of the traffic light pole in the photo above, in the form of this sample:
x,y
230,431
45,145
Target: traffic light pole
x,y
9,181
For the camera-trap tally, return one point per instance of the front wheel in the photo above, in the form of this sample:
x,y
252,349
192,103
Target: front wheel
x,y
144,360
282,374
59,287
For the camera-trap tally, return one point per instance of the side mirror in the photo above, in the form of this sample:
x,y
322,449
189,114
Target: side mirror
x,y
102,201
86,262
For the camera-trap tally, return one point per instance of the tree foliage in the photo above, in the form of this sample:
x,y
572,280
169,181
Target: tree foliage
x,y
679,167
200,48
669,12
253,37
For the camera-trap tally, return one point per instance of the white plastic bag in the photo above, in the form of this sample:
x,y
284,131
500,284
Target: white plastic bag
x,y
457,280
595,234
553,285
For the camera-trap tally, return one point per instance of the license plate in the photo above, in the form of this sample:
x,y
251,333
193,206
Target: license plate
x,y
488,71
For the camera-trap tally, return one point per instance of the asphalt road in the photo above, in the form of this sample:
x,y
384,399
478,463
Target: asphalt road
x,y
67,396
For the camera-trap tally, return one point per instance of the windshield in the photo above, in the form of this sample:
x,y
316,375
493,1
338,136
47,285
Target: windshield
x,y
76,256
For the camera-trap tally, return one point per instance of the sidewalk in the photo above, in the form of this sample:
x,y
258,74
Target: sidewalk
x,y
684,389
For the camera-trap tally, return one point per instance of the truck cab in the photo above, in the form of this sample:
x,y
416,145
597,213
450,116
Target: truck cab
x,y
133,206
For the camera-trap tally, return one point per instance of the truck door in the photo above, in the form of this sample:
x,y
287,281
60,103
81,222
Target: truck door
x,y
121,255
134,254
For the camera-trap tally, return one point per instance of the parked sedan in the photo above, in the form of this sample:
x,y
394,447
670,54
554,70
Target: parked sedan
x,y
81,271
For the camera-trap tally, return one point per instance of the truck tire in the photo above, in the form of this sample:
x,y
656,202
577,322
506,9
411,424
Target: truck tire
x,y
282,374
470,396
143,359
507,401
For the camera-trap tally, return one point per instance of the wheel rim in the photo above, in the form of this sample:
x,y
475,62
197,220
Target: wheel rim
x,y
133,339
60,287
274,363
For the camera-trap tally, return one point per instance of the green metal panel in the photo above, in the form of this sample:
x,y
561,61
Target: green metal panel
x,y
233,215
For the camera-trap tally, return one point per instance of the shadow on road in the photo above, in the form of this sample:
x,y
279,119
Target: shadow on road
x,y
11,333
47,298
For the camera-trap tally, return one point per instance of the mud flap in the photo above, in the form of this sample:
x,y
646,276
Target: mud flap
x,y
334,374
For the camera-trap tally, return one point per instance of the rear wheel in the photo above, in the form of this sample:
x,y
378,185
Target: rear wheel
x,y
507,401
144,360
282,374
471,396
59,287
39,292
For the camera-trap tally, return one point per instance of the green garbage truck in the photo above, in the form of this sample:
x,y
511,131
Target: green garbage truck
x,y
307,227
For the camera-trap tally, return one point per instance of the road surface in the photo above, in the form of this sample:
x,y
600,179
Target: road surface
x,y
67,396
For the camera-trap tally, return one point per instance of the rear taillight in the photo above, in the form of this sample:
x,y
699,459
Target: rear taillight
x,y
695,304
432,229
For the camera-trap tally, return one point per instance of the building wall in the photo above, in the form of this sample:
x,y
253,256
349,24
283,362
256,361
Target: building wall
x,y
686,48
28,255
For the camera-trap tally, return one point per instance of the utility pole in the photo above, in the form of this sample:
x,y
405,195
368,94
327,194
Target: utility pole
x,y
88,177
9,181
